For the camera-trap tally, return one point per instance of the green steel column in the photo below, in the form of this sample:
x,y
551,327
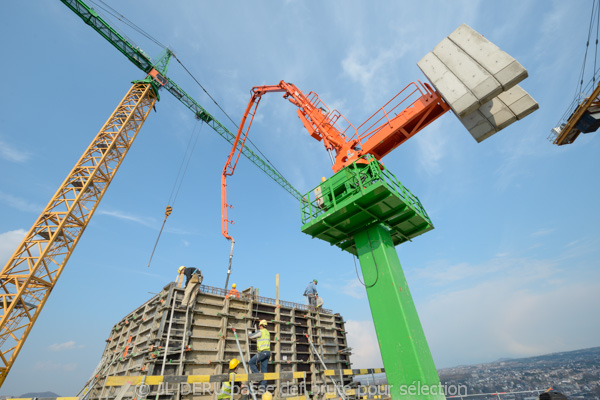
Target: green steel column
x,y
406,357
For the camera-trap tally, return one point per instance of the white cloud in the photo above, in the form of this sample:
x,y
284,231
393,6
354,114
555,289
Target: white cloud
x,y
579,248
370,68
145,221
522,149
9,242
365,348
64,346
9,153
543,232
432,145
361,69
444,273
180,231
354,289
527,308
496,319
19,203
49,366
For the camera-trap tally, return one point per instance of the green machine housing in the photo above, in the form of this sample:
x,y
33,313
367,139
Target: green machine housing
x,y
358,196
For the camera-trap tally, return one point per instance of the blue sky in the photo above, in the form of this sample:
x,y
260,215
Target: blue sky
x,y
510,270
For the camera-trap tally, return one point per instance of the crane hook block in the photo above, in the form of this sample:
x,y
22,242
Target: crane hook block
x,y
168,211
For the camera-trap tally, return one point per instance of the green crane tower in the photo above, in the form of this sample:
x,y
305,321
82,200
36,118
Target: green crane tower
x,y
364,210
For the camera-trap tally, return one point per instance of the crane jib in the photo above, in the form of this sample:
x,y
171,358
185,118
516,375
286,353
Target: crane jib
x,y
141,60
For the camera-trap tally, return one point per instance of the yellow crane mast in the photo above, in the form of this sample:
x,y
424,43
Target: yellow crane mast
x,y
31,273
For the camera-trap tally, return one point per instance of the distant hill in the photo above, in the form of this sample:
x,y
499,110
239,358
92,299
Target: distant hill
x,y
39,394
593,352
573,373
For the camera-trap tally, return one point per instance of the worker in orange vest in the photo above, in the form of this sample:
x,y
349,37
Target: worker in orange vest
x,y
233,292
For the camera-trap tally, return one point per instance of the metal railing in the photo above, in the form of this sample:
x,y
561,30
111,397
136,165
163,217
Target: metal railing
x,y
311,208
264,300
389,111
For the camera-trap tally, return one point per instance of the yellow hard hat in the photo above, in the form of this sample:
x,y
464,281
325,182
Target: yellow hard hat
x,y
233,286
263,323
233,363
267,396
181,268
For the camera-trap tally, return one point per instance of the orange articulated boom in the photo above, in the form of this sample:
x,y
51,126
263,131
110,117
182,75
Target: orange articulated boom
x,y
412,109
315,116
392,125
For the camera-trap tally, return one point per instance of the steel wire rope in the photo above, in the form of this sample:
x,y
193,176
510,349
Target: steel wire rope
x,y
579,89
179,179
227,115
197,136
132,25
108,9
587,45
575,102
596,47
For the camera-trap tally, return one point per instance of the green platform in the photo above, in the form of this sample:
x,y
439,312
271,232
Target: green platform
x,y
359,196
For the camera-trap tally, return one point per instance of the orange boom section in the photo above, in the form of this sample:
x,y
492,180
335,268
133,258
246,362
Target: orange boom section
x,y
409,111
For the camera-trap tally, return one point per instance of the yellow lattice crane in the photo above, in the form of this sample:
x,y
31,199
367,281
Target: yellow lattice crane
x,y
31,273
583,114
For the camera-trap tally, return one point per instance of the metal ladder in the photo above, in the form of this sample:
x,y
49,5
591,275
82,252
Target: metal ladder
x,y
339,389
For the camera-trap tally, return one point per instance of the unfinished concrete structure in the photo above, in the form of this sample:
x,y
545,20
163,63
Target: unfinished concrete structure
x,y
159,339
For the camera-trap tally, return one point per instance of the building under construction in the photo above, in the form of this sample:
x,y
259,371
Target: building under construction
x,y
160,339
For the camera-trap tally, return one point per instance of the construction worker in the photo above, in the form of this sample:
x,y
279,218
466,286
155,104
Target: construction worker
x,y
233,292
267,396
263,348
225,392
311,293
193,280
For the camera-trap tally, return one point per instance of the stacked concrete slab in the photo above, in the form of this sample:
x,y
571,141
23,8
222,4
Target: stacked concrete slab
x,y
478,81
154,339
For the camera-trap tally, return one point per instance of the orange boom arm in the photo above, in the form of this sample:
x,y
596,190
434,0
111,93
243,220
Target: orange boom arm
x,y
412,109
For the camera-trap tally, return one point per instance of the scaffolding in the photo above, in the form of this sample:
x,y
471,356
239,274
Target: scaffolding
x,y
159,339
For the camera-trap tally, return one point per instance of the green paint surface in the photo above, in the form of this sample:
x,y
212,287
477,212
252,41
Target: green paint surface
x,y
406,357
359,196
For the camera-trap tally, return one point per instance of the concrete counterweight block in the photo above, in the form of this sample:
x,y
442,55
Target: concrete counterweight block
x,y
499,113
455,93
479,81
504,68
519,101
